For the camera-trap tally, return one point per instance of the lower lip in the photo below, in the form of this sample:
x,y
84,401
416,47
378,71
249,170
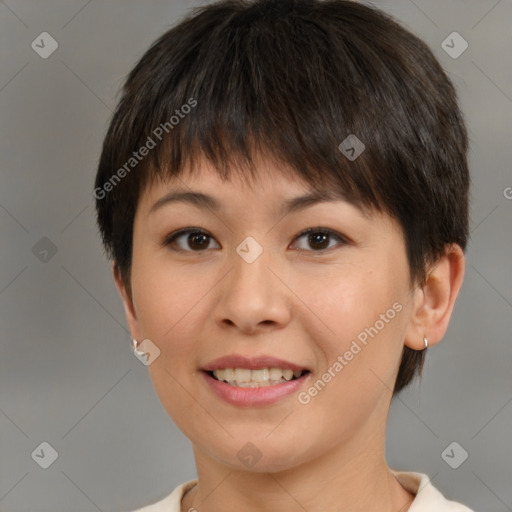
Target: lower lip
x,y
250,397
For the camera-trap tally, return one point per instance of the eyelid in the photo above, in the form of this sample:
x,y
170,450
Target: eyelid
x,y
327,231
171,238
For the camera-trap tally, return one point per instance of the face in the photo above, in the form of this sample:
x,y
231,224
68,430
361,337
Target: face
x,y
335,302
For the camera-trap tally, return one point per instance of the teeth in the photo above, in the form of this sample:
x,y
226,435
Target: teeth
x,y
229,374
245,378
260,375
288,374
276,373
242,374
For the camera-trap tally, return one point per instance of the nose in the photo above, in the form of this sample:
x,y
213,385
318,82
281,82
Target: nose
x,y
253,297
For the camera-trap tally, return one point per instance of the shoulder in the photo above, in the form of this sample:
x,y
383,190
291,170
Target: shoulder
x,y
428,498
172,502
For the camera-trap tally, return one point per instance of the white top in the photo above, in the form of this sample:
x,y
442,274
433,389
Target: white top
x,y
428,498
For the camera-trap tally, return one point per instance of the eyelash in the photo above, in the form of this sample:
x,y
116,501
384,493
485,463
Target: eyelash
x,y
170,240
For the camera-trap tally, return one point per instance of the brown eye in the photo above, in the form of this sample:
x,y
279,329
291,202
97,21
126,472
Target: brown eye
x,y
189,240
197,240
318,239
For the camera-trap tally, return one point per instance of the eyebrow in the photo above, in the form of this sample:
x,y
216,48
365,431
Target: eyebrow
x,y
205,201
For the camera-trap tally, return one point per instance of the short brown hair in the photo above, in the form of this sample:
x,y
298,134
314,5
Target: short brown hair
x,y
292,79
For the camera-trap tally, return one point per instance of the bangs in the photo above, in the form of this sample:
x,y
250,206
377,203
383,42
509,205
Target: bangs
x,y
261,85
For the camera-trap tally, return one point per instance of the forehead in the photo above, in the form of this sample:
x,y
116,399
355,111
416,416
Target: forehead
x,y
265,175
282,185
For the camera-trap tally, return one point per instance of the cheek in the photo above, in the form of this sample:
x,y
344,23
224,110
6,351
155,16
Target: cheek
x,y
349,298
358,354
171,314
360,318
167,299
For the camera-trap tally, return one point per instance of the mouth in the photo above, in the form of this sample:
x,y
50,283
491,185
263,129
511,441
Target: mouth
x,y
255,378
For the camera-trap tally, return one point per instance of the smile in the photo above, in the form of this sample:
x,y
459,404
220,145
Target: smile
x,y
246,378
254,393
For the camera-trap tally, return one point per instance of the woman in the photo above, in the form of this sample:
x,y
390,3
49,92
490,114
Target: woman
x,y
283,191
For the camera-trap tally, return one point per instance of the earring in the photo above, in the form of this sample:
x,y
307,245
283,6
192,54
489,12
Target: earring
x,y
425,340
137,353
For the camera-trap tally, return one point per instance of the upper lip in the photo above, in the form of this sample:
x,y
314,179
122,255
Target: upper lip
x,y
251,363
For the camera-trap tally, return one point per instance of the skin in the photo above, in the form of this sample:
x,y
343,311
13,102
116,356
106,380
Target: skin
x,y
296,302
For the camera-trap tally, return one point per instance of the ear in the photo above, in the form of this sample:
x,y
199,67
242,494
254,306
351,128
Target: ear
x,y
434,301
129,308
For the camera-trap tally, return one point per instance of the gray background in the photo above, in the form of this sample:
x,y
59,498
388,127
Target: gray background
x,y
67,374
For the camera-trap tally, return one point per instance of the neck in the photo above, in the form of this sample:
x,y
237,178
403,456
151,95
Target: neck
x,y
349,477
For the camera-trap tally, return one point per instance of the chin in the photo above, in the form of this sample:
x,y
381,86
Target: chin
x,y
259,455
